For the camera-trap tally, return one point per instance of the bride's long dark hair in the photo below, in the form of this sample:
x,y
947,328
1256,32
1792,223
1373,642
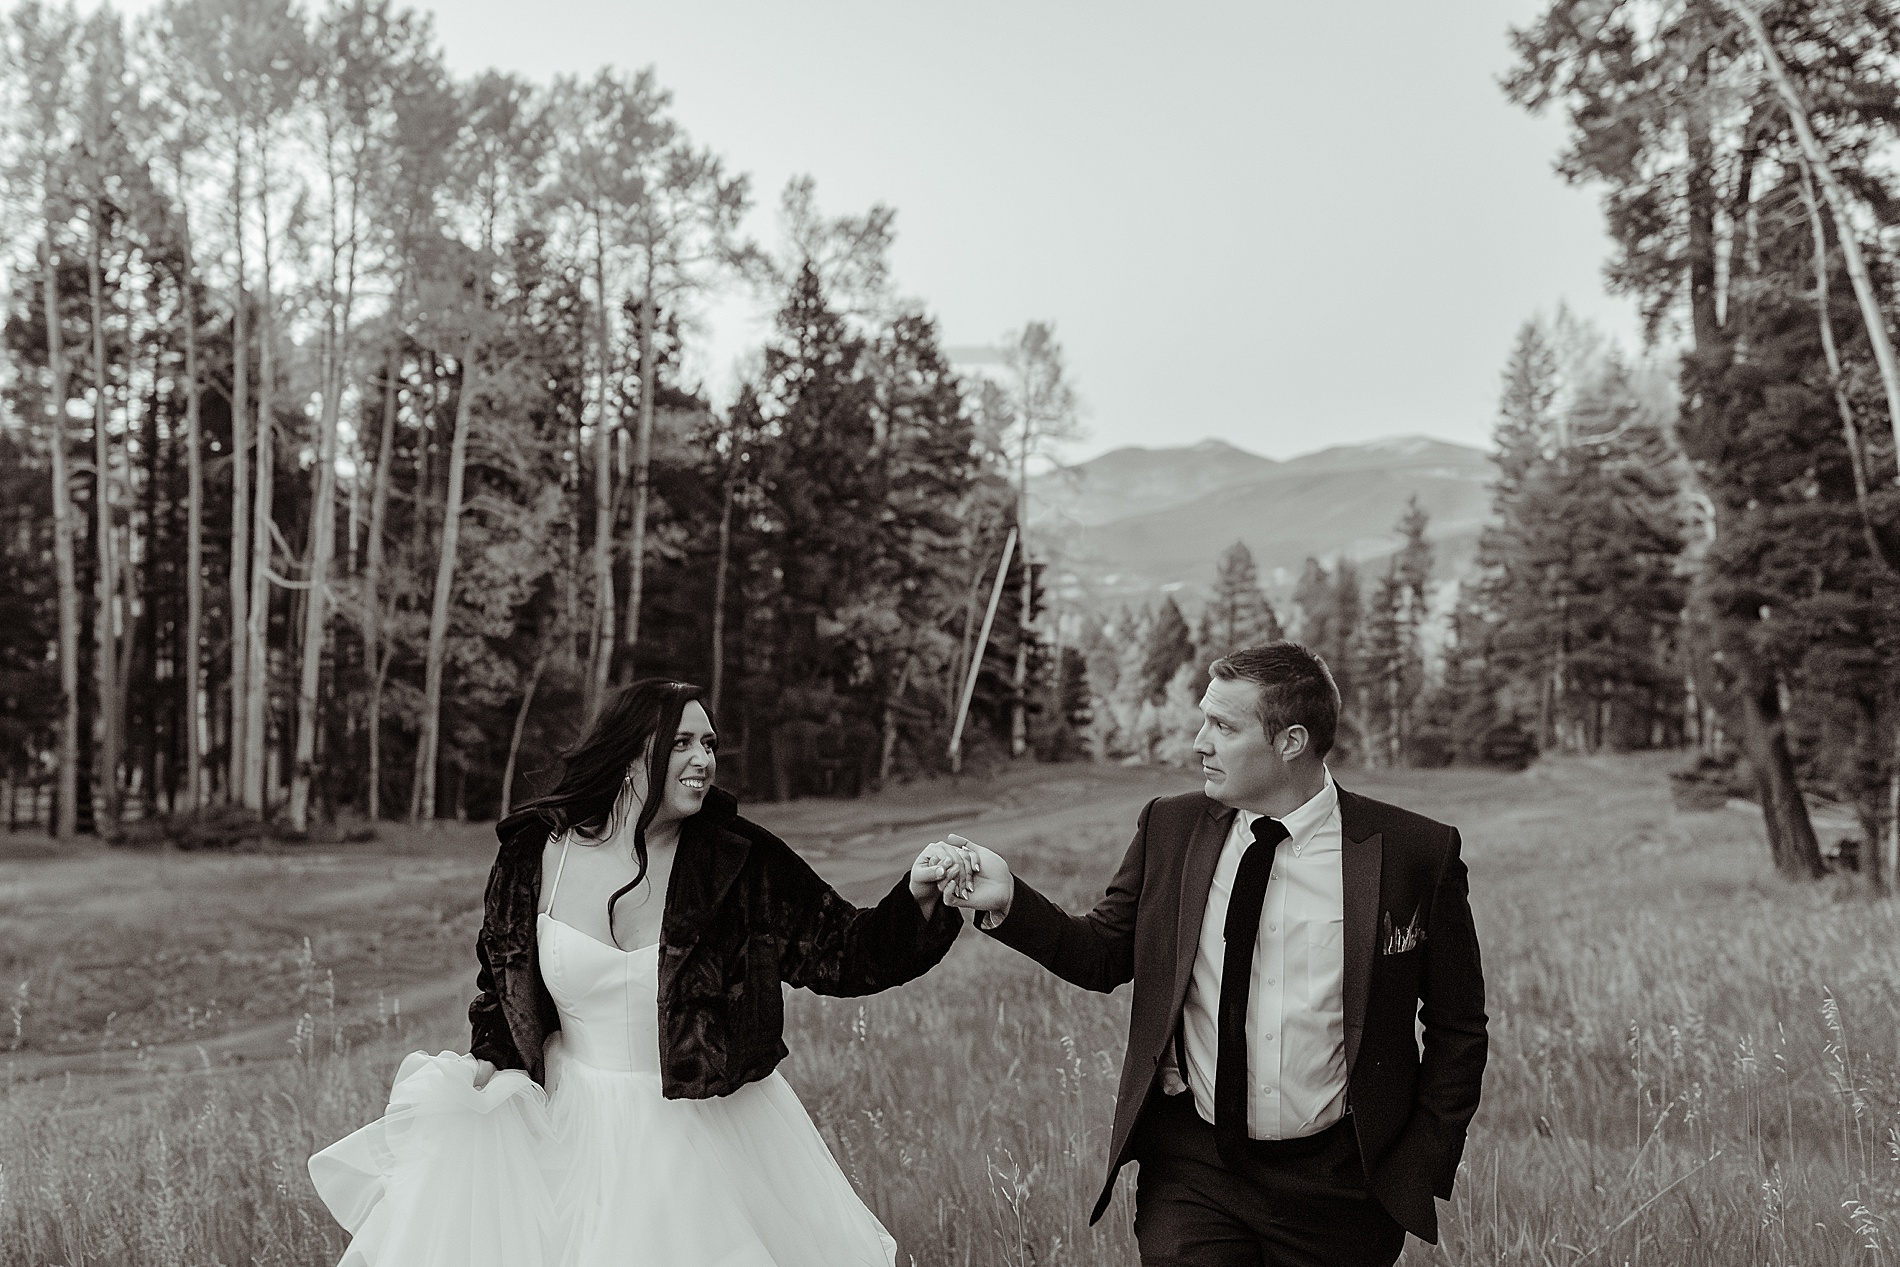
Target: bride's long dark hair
x,y
636,724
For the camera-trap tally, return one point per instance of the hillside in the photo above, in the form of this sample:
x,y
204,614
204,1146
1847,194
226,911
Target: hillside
x,y
1136,523
1135,481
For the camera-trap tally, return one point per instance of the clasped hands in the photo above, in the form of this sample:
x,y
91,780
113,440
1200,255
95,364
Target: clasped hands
x,y
964,874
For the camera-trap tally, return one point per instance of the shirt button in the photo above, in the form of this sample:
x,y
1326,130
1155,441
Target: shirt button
x,y
1269,1038
1269,980
1273,928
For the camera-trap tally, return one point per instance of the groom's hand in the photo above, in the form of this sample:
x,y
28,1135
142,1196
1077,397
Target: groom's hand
x,y
988,887
940,868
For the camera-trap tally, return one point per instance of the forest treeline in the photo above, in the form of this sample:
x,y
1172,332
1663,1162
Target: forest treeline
x,y
1702,548
1587,621
348,457
1743,153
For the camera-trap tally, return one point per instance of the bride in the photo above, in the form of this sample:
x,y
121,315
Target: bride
x,y
619,1104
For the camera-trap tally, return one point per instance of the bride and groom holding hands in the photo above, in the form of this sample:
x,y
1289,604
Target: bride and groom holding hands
x,y
1305,1049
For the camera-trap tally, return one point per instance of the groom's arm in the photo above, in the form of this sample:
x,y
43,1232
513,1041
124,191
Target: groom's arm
x,y
1095,951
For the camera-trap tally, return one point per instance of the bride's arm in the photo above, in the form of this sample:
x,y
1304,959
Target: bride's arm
x,y
833,947
489,1038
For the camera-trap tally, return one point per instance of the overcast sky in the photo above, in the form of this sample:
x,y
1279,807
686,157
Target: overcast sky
x,y
1283,224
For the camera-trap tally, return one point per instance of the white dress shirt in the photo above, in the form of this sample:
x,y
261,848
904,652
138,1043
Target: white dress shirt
x,y
1296,1016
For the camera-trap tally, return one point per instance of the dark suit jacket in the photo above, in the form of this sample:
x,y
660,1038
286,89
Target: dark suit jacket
x,y
1410,1109
743,913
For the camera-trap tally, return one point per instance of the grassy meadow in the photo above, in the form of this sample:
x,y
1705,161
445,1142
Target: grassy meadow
x,y
1692,1063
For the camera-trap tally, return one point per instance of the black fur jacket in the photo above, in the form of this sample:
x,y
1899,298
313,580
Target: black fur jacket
x,y
743,913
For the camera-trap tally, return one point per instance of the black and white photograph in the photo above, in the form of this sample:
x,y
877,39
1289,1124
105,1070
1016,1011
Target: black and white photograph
x,y
832,634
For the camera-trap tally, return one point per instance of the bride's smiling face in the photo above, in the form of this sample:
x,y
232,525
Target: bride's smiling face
x,y
691,769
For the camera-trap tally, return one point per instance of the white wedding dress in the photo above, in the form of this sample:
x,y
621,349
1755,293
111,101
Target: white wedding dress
x,y
600,1170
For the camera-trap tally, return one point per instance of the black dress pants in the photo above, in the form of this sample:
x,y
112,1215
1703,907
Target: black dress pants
x,y
1293,1203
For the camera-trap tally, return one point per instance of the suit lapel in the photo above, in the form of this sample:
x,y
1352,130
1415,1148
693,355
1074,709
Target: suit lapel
x,y
1361,859
1197,876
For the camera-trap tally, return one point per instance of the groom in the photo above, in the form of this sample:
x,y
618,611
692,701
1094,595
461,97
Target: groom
x,y
1283,935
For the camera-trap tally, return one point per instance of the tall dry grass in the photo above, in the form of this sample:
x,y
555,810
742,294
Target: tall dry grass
x,y
195,1167
1692,1064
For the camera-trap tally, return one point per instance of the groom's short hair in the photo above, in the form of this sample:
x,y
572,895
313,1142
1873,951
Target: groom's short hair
x,y
1296,689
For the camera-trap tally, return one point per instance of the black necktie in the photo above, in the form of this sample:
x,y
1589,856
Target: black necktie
x,y
1249,894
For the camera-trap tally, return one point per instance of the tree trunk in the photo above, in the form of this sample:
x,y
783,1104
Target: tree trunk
x,y
373,659
128,641
1754,693
1850,431
105,654
953,685
322,523
891,701
1755,689
422,804
642,468
1700,194
194,539
975,667
257,654
603,656
425,442
157,611
138,647
571,585
1870,792
1791,839
1560,677
240,497
1875,321
1890,846
521,723
316,606
66,815
1018,713
719,580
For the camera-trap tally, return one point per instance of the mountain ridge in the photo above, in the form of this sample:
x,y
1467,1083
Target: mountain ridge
x,y
1135,523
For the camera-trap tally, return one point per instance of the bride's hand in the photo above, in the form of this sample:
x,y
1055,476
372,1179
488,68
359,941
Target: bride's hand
x,y
484,1070
940,868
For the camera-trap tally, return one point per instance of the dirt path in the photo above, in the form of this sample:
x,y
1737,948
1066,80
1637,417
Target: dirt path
x,y
117,943
863,847
118,963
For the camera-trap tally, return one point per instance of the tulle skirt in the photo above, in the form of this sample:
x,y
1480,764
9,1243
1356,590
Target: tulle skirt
x,y
599,1171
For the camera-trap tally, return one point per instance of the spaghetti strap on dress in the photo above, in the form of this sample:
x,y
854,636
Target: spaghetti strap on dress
x,y
567,838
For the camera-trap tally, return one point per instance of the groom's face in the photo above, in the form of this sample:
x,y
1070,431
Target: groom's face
x,y
1238,758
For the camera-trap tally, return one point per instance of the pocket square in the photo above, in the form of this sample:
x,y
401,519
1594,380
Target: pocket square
x,y
1396,941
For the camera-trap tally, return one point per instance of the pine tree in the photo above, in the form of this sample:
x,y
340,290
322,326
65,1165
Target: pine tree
x,y
1795,553
1327,605
1129,634
1170,645
1238,614
1650,92
1390,661
1577,573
